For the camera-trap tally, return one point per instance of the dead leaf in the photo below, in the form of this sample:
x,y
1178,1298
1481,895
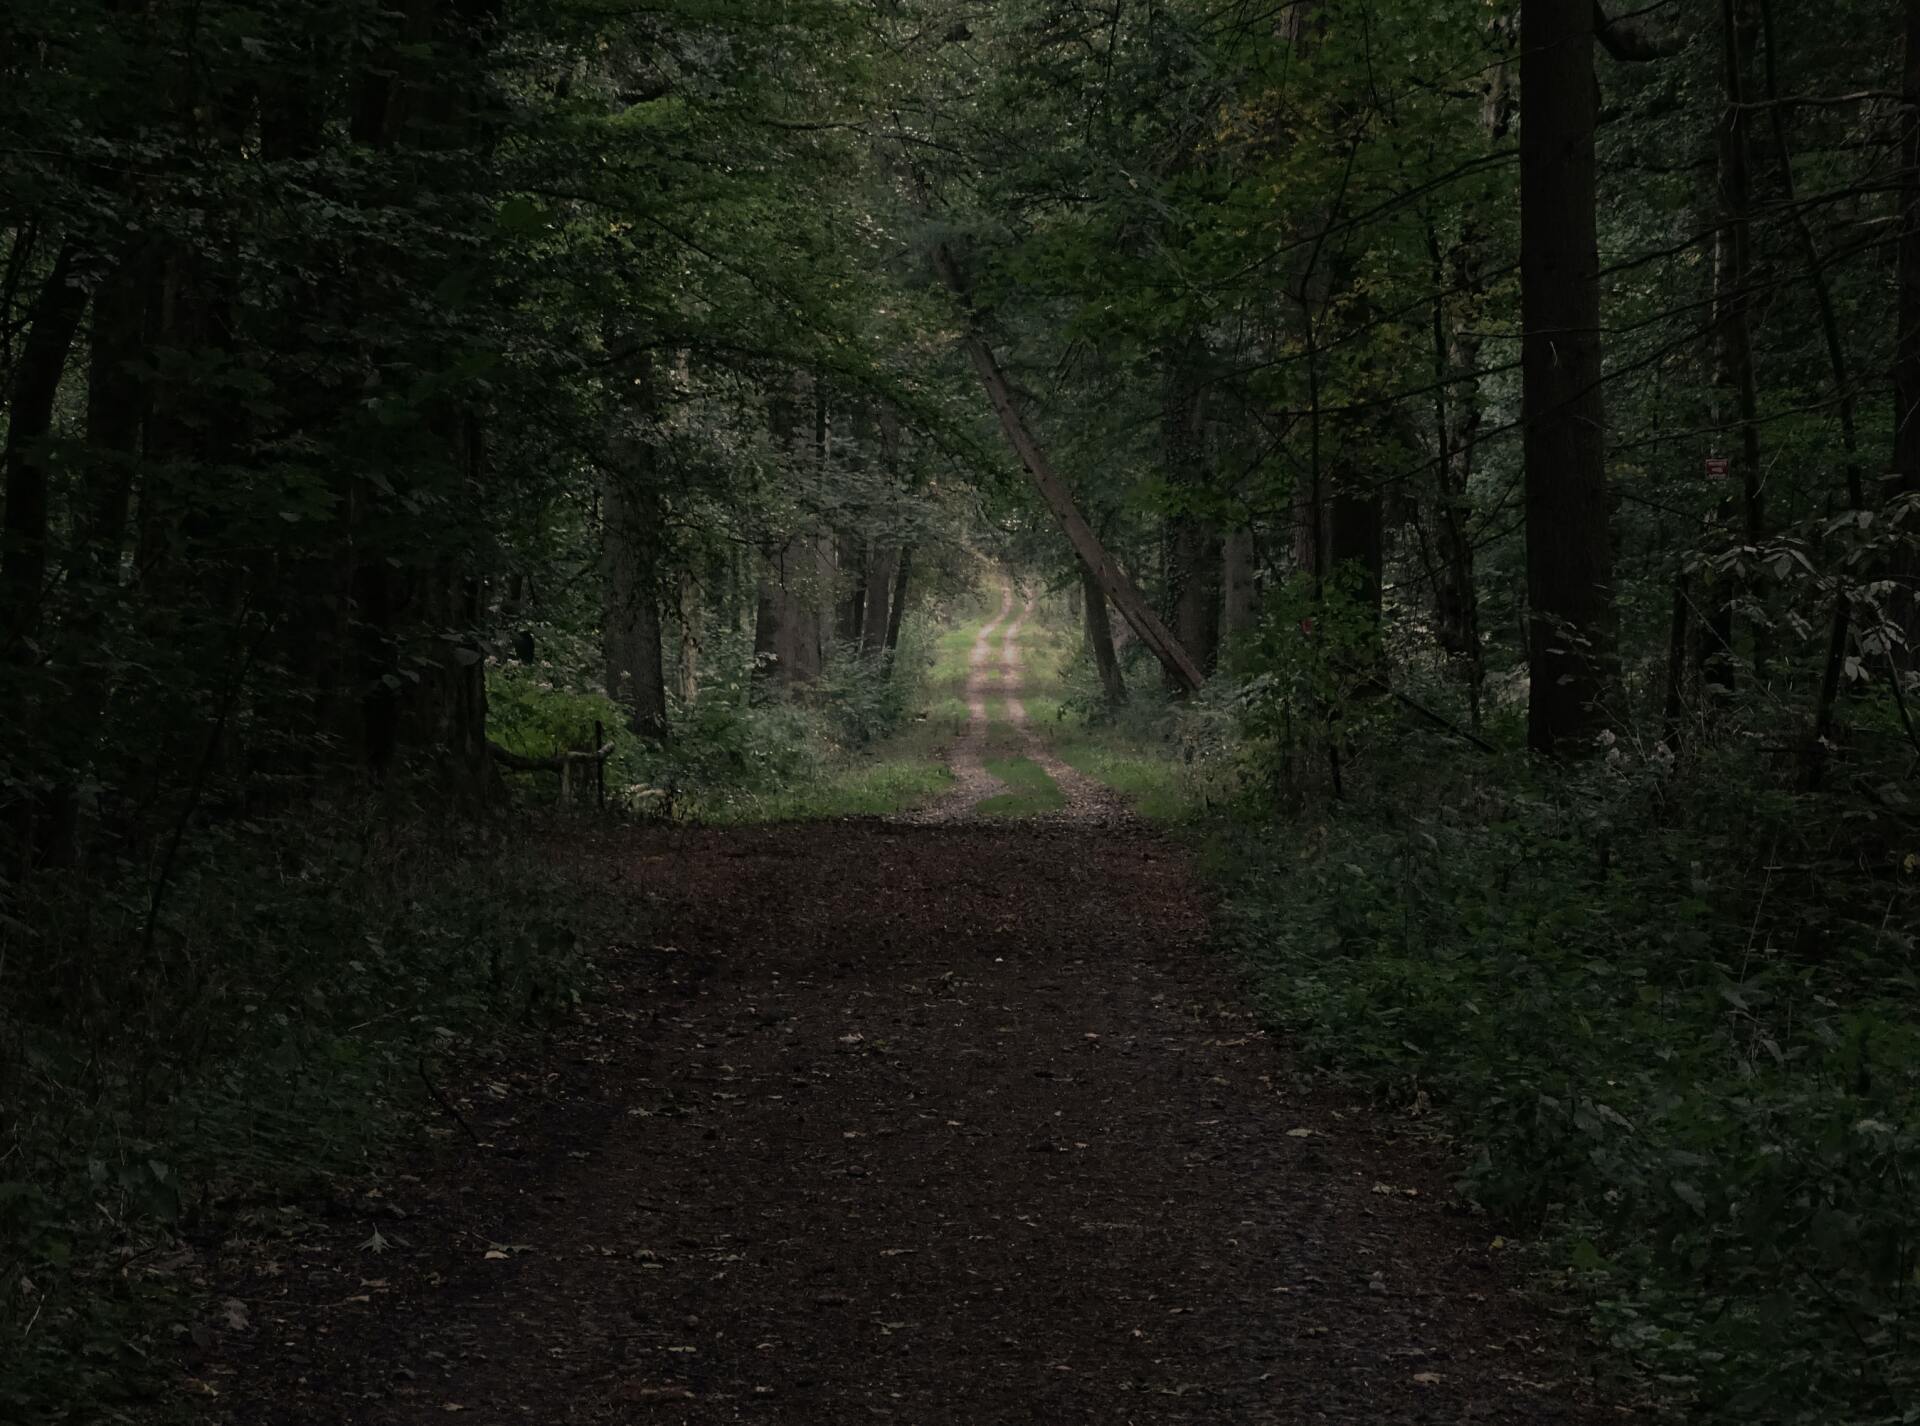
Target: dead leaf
x,y
237,1317
1427,1378
1299,1133
375,1243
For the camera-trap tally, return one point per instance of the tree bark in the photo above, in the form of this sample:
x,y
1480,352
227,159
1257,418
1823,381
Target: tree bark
x,y
1113,682
897,609
1569,548
1840,629
1906,379
1457,421
25,556
1736,275
874,619
116,401
1192,544
630,529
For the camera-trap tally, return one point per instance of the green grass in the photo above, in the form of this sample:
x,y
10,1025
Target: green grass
x,y
1145,777
1043,712
865,789
1033,791
897,775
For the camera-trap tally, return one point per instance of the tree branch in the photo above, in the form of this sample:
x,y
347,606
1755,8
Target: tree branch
x,y
1631,45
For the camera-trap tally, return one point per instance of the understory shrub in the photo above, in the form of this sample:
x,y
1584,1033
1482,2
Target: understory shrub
x,y
1672,1016
167,1078
733,745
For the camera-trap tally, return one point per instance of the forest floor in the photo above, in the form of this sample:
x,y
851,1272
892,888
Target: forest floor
x,y
950,1120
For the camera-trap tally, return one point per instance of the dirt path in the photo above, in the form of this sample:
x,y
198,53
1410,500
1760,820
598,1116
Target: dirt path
x,y
1086,801
949,1125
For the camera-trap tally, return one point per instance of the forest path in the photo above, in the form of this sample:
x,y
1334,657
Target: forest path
x,y
930,1125
1083,799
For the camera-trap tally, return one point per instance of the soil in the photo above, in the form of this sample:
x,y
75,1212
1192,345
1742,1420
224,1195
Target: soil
x,y
904,1124
1087,802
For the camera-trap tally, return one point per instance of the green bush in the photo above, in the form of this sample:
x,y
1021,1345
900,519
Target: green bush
x,y
268,1033
1675,1026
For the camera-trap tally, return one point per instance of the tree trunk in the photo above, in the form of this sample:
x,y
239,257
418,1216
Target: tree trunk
x,y
897,609
116,398
1192,544
851,616
690,620
25,555
879,586
1239,584
1840,629
1113,683
1906,378
1569,548
1126,598
1457,421
1736,276
630,544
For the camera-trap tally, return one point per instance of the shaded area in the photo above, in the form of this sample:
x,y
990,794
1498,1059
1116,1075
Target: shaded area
x,y
906,1124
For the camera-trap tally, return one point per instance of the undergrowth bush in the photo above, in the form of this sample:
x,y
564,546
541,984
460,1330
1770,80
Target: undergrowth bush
x,y
161,1078
1674,1022
734,746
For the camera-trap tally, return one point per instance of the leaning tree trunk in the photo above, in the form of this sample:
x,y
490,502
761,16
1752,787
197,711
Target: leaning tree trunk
x,y
1569,550
1110,577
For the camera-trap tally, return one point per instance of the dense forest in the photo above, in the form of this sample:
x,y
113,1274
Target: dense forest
x,y
1474,442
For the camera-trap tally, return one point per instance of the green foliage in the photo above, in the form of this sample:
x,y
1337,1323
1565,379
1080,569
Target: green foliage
x,y
1310,678
217,1077
736,755
1673,1024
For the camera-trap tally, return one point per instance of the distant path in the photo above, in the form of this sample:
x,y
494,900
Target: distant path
x,y
1086,800
918,1126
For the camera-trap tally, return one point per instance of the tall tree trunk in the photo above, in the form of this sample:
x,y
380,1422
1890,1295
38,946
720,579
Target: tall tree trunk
x,y
767,632
630,545
690,615
25,553
115,395
1571,629
851,615
1736,277
1906,376
1113,683
897,608
116,408
1840,630
1457,421
874,621
1192,544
